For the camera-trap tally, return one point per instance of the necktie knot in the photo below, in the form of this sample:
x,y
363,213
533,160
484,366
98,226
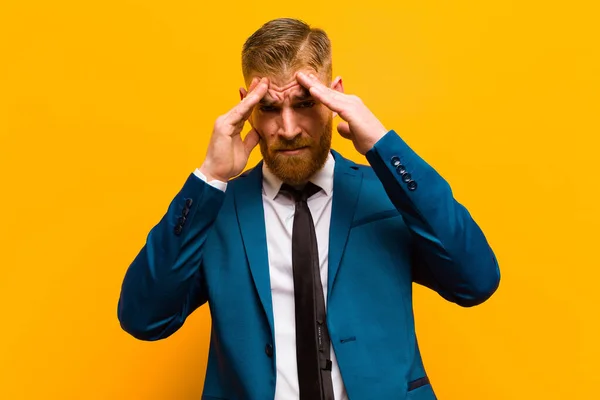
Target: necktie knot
x,y
301,195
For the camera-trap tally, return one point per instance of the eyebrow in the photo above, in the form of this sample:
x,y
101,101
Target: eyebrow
x,y
302,97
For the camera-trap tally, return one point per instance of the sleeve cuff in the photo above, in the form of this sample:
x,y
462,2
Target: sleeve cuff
x,y
222,186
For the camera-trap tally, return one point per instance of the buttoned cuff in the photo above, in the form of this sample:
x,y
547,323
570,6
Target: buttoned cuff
x,y
391,152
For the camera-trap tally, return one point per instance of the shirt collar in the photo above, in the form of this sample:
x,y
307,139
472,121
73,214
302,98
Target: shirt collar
x,y
322,178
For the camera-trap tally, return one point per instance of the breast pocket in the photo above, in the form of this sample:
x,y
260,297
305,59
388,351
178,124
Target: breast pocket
x,y
375,217
420,389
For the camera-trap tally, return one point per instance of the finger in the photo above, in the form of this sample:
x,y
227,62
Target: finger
x,y
256,82
308,80
344,129
253,84
242,111
244,92
334,100
251,140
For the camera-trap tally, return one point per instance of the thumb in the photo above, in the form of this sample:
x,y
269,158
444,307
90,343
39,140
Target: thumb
x,y
344,130
250,141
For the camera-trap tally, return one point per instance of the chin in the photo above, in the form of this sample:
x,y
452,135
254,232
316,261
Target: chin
x,y
291,169
295,169
295,180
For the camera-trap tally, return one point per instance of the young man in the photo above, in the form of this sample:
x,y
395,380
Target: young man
x,y
307,261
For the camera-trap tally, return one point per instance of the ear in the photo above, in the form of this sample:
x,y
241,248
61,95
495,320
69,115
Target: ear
x,y
243,93
337,84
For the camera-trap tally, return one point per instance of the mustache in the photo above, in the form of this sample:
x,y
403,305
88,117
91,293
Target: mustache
x,y
293,144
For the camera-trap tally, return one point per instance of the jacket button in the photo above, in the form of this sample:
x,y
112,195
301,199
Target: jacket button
x,y
395,161
400,169
188,202
269,350
178,230
406,177
412,185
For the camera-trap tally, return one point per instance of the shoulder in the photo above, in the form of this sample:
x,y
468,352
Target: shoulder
x,y
363,169
372,193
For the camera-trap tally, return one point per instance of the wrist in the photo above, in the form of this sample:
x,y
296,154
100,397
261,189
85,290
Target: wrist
x,y
210,176
372,140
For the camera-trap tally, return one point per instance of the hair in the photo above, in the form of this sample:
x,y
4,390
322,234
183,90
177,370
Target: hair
x,y
282,46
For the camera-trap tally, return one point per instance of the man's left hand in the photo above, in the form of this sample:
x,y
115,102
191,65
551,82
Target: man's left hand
x,y
360,124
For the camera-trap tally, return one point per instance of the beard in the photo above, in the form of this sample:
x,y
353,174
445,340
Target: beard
x,y
297,169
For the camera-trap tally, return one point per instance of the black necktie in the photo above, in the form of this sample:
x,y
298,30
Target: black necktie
x,y
312,338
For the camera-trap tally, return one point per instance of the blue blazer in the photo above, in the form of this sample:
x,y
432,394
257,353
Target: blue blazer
x,y
393,223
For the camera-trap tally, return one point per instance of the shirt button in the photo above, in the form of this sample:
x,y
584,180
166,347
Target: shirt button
x,y
269,350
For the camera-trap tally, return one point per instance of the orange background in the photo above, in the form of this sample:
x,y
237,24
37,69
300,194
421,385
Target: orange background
x,y
106,107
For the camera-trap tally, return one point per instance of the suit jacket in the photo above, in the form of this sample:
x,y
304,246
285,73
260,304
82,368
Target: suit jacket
x,y
393,223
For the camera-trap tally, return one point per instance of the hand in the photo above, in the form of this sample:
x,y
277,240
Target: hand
x,y
227,154
360,125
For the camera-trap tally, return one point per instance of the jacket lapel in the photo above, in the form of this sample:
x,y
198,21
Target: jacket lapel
x,y
347,182
250,213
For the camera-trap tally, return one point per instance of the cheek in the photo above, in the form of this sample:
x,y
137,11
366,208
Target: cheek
x,y
265,126
314,121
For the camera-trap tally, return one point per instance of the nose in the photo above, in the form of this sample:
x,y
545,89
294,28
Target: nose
x,y
289,128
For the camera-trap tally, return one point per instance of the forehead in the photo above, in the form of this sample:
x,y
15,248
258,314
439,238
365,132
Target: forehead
x,y
291,90
285,86
283,78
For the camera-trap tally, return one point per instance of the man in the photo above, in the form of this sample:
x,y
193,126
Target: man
x,y
306,261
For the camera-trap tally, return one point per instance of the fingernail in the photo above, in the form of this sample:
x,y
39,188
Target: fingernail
x,y
312,76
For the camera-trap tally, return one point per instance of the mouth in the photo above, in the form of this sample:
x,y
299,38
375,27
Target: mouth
x,y
291,152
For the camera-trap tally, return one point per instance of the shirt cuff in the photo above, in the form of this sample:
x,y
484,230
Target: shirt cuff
x,y
222,186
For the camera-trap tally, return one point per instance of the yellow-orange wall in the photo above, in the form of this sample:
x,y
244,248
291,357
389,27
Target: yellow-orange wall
x,y
107,106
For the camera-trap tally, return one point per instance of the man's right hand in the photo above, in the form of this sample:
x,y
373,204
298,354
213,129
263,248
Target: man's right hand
x,y
227,153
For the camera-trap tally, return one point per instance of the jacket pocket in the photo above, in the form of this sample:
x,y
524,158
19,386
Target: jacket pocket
x,y
417,383
420,389
375,217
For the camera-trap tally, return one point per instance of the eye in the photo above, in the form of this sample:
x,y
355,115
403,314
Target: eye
x,y
268,109
306,104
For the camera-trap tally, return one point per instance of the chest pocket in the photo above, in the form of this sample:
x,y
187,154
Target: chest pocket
x,y
420,389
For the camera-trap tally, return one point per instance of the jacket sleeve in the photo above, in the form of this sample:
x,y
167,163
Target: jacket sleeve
x,y
450,254
164,283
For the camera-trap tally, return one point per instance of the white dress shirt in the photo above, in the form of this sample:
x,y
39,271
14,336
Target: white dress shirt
x,y
279,218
